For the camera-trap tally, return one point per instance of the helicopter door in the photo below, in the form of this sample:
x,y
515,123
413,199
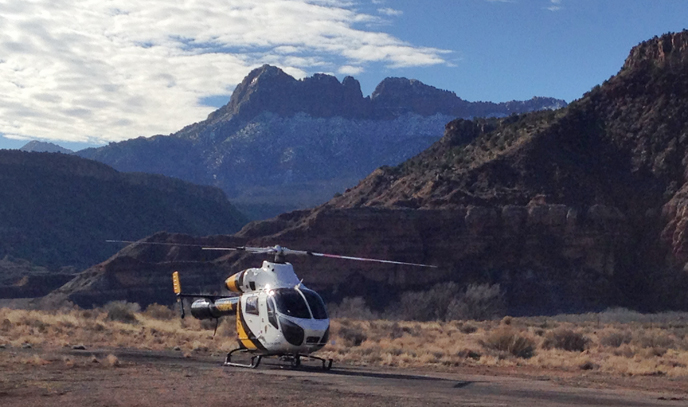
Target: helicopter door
x,y
268,318
249,323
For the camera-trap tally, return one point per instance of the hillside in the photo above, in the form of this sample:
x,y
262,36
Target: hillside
x,y
282,143
577,209
57,210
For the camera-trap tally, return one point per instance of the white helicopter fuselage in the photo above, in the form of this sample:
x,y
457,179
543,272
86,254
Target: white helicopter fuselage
x,y
276,313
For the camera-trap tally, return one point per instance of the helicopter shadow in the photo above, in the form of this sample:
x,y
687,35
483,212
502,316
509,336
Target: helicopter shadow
x,y
398,376
348,372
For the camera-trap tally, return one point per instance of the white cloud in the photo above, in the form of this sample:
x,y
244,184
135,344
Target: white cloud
x,y
350,70
105,70
555,5
390,11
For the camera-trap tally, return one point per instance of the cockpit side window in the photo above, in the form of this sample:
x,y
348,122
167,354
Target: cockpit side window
x,y
316,303
272,316
252,305
290,303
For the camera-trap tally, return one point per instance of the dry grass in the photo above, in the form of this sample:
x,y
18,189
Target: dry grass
x,y
617,344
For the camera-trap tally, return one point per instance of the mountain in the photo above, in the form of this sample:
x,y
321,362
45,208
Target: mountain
x,y
577,209
281,143
57,210
43,147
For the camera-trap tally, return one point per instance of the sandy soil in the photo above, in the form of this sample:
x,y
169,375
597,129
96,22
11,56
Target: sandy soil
x,y
41,377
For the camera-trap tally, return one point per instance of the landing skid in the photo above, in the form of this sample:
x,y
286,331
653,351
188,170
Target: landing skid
x,y
295,361
255,360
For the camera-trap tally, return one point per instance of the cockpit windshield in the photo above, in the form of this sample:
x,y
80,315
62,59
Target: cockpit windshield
x,y
316,303
290,302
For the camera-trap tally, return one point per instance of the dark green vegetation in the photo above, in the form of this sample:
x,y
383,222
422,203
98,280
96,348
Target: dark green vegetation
x,y
58,210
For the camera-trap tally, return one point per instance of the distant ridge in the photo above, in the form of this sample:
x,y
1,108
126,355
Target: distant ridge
x,y
282,143
44,147
57,210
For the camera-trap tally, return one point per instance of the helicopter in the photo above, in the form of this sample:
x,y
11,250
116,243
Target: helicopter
x,y
276,314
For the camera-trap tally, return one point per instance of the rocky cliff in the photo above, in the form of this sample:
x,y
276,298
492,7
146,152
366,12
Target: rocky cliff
x,y
291,143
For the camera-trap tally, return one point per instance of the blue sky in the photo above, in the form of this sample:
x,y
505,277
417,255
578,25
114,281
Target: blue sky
x,y
87,72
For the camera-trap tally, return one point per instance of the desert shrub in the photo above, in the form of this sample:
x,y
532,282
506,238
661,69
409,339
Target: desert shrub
x,y
352,336
429,305
122,311
157,311
509,341
625,351
210,324
468,354
445,302
565,339
615,339
112,360
396,331
654,340
588,365
351,307
6,325
468,328
479,302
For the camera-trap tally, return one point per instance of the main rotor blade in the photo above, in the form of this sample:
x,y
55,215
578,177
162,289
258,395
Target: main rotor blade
x,y
337,256
278,250
257,250
154,243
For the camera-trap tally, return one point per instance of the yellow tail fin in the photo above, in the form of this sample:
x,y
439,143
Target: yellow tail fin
x,y
175,283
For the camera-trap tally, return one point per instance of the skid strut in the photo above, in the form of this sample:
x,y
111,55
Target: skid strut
x,y
327,363
255,360
295,361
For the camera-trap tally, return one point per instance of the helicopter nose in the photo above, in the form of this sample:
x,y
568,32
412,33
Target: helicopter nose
x,y
318,338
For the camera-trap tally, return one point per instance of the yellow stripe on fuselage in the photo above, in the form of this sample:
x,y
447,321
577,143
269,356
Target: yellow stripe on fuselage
x,y
232,283
242,332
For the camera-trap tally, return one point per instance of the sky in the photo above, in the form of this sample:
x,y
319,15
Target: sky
x,y
83,73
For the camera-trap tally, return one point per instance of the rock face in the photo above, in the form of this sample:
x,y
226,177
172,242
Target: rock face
x,y
290,143
577,209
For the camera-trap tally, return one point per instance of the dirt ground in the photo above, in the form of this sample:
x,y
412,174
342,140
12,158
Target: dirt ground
x,y
127,377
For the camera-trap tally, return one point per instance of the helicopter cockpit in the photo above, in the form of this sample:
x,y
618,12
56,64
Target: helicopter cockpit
x,y
298,303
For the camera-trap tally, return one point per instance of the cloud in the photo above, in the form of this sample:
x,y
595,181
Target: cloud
x,y
100,70
390,11
350,70
555,5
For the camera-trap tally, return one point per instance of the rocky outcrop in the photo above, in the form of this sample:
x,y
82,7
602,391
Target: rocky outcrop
x,y
544,256
658,51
